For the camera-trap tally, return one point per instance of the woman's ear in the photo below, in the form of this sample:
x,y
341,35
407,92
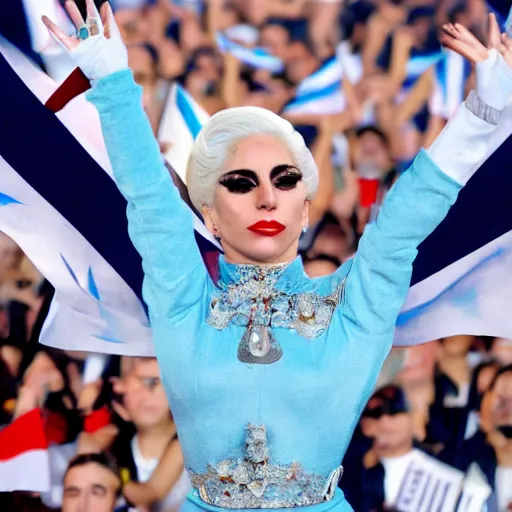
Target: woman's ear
x,y
207,214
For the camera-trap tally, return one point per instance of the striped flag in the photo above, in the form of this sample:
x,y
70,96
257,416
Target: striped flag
x,y
181,117
320,93
450,76
24,458
59,202
462,279
258,58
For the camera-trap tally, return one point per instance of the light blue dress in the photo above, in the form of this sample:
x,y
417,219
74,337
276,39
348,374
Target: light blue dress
x,y
268,435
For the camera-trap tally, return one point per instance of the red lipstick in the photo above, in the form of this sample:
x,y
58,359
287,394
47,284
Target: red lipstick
x,y
267,228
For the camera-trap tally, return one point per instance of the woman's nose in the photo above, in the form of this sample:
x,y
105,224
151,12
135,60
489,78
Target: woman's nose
x,y
266,198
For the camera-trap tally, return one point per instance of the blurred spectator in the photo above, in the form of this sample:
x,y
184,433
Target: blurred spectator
x,y
491,447
151,439
448,412
91,484
389,424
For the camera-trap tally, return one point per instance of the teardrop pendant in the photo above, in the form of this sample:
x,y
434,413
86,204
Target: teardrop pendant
x,y
259,346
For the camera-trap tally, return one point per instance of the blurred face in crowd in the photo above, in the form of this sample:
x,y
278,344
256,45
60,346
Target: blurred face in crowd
x,y
372,157
500,406
90,488
275,39
144,396
198,84
393,435
456,346
209,64
392,431
259,204
502,351
300,61
419,365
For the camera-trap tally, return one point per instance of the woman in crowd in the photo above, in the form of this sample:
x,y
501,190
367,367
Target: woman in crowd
x,y
250,360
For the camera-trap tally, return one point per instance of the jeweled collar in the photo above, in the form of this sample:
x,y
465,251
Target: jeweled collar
x,y
285,273
262,298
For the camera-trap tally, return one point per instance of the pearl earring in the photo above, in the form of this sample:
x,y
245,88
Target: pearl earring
x,y
304,230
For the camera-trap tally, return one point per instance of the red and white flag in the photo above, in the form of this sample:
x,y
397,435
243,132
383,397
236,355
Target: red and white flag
x,y
24,459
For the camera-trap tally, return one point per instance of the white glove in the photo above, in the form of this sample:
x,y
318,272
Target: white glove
x,y
494,80
97,56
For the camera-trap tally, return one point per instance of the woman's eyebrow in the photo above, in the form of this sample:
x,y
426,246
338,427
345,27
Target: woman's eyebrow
x,y
283,167
242,172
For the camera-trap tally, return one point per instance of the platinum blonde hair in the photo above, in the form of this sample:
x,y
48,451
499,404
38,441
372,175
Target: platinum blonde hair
x,y
217,141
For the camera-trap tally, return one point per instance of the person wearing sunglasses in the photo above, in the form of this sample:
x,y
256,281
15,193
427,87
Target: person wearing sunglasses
x,y
252,362
388,421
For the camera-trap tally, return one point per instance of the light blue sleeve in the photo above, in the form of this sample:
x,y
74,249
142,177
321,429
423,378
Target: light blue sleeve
x,y
379,279
160,224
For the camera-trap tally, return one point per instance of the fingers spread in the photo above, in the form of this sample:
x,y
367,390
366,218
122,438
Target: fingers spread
x,y
494,33
58,34
74,14
105,18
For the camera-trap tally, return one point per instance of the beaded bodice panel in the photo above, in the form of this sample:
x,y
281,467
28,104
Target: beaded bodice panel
x,y
251,297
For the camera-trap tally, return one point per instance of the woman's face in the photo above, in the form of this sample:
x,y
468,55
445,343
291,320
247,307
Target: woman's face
x,y
259,206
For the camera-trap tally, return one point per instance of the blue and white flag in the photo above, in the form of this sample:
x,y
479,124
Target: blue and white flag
x,y
320,93
419,64
462,279
182,118
60,204
450,76
58,201
258,58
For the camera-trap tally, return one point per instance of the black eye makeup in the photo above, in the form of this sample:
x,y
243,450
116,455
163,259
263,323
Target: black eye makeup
x,y
285,177
241,181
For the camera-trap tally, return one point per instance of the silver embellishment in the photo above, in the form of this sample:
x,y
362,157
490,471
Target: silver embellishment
x,y
255,302
482,110
259,346
254,482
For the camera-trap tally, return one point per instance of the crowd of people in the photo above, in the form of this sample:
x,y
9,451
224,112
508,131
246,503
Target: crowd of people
x,y
113,442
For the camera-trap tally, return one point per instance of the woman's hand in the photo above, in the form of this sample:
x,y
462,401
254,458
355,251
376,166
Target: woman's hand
x,y
458,38
97,48
493,63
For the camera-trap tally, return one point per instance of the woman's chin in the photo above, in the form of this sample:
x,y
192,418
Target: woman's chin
x,y
268,251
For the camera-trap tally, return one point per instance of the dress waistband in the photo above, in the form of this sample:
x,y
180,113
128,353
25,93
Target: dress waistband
x,y
255,482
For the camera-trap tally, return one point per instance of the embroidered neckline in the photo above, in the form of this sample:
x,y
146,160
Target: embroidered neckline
x,y
262,298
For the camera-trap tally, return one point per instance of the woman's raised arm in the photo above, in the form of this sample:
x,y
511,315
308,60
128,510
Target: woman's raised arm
x,y
379,278
159,222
